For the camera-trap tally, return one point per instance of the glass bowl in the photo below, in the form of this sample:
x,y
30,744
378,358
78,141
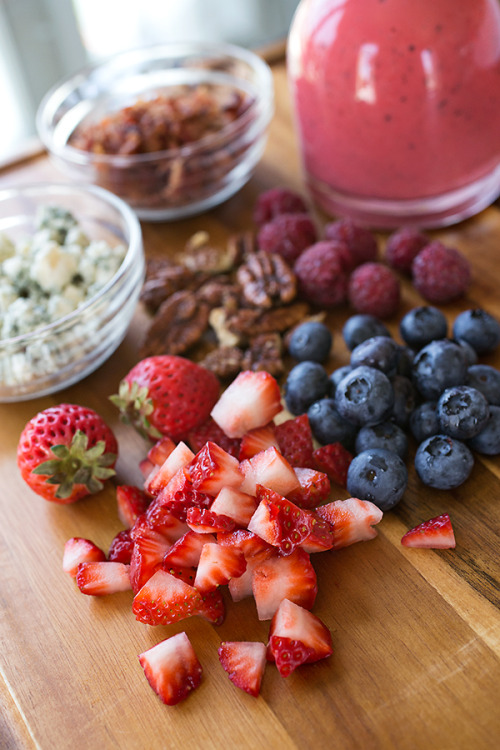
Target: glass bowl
x,y
178,181
63,352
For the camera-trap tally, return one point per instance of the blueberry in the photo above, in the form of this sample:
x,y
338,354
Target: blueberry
x,y
385,435
311,341
462,412
379,476
488,440
470,353
360,327
336,376
405,361
485,379
421,325
328,426
306,383
443,462
479,329
404,400
439,365
364,396
378,351
424,421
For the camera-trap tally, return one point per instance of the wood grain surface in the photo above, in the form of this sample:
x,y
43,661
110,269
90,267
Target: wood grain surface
x,y
416,633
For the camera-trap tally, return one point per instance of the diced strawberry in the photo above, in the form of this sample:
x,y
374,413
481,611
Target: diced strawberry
x,y
241,587
213,468
314,488
284,525
252,400
179,495
257,440
217,566
277,578
270,469
79,550
187,550
351,520
249,543
165,599
161,518
334,460
101,578
436,533
211,606
177,459
121,547
294,627
149,549
146,467
288,654
295,441
244,662
238,505
161,450
210,431
131,503
172,668
205,522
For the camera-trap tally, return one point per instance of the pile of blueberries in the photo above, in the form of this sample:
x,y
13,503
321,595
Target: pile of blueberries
x,y
431,388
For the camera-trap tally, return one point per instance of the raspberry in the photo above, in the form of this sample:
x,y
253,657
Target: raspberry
x,y
288,235
403,247
322,274
374,290
361,243
440,273
277,201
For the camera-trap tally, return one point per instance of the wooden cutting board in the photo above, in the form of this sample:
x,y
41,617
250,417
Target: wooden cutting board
x,y
416,633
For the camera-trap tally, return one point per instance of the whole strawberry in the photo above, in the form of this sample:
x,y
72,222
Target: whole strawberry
x,y
166,395
66,452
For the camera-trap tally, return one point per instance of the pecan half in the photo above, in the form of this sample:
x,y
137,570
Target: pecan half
x,y
179,323
241,245
250,322
265,353
163,278
225,361
267,280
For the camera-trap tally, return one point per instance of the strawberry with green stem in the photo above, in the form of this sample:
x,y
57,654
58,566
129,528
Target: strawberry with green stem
x,y
66,452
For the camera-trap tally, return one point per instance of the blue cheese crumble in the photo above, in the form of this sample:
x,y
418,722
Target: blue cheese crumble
x,y
52,273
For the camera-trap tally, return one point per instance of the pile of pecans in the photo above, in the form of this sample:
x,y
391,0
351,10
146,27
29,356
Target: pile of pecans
x,y
227,308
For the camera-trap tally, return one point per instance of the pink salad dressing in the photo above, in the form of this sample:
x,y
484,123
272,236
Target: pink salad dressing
x,y
397,105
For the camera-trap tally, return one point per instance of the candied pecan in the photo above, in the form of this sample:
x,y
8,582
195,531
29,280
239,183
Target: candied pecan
x,y
163,278
219,291
249,321
200,255
179,323
265,353
225,361
243,322
241,245
267,280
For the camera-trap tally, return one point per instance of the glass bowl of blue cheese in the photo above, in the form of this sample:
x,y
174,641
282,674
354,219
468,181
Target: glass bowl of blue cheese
x,y
71,271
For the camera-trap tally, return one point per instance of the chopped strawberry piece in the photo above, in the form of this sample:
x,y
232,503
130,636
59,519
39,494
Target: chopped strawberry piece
x,y
180,457
213,468
277,578
436,533
131,503
210,431
121,547
257,440
295,441
286,526
79,550
217,566
244,662
165,599
161,518
314,488
161,450
179,495
270,469
149,549
187,550
252,400
288,654
172,668
254,549
240,506
101,578
211,606
296,624
241,587
351,520
205,522
334,460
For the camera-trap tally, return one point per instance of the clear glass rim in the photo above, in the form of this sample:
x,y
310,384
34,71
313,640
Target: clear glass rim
x,y
263,104
134,251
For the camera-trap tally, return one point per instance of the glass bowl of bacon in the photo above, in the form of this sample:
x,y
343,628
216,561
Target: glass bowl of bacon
x,y
173,129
